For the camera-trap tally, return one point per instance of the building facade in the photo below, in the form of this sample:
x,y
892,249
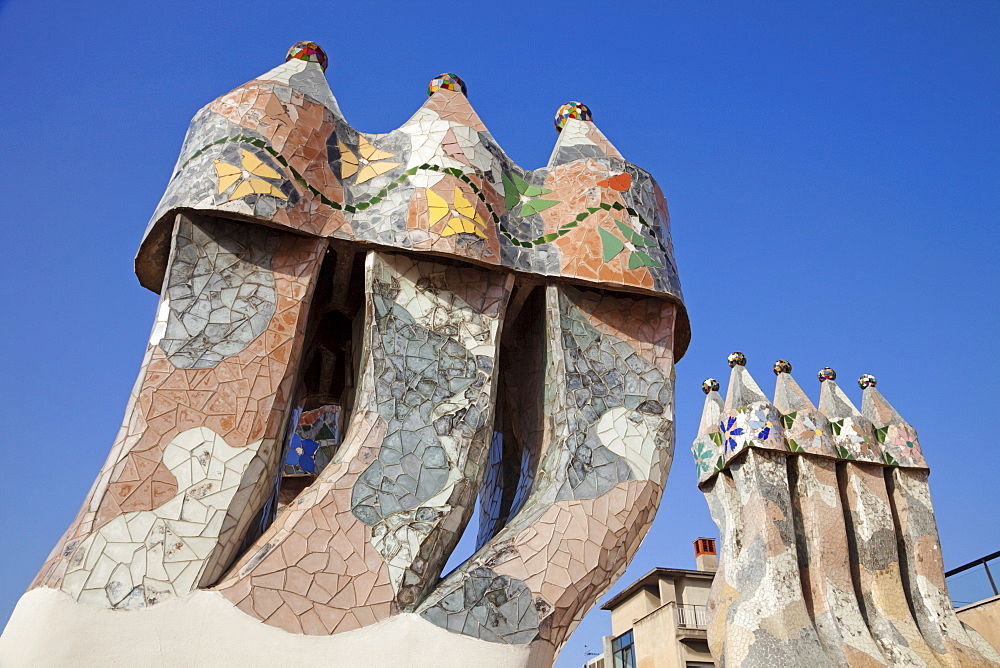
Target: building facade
x,y
660,620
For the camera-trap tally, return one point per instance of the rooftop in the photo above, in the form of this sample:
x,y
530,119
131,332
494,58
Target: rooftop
x,y
651,578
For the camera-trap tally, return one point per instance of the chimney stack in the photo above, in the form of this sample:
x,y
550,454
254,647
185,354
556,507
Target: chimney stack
x,y
705,558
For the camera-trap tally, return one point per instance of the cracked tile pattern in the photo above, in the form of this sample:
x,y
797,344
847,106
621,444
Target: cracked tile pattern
x,y
278,149
420,370
220,293
923,565
142,558
491,607
820,530
394,501
242,400
829,545
287,250
824,563
569,543
898,439
872,538
769,620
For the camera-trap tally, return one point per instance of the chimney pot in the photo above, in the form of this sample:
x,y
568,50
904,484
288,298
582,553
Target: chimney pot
x,y
705,556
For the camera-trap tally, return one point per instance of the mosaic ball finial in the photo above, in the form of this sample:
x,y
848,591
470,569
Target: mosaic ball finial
x,y
310,51
577,110
867,380
447,81
710,385
782,366
826,373
737,358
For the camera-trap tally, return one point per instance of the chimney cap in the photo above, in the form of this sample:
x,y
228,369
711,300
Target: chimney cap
x,y
704,546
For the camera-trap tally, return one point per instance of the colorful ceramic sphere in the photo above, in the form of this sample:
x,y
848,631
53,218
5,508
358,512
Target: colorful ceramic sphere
x,y
447,81
782,366
737,358
577,110
310,51
867,380
710,385
826,373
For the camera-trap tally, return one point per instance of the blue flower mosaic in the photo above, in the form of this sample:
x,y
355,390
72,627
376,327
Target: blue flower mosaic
x,y
313,441
762,424
726,428
302,453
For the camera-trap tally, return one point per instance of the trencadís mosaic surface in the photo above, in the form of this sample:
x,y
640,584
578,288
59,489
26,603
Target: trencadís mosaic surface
x,y
278,149
361,337
830,549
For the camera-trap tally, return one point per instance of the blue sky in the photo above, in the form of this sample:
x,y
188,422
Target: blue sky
x,y
831,169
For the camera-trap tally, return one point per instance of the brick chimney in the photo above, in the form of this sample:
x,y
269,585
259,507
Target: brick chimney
x,y
705,558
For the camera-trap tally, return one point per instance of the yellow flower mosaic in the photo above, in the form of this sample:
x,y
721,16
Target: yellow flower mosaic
x,y
252,167
368,163
465,219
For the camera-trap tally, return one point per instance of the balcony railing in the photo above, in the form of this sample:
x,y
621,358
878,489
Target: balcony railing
x,y
692,616
975,581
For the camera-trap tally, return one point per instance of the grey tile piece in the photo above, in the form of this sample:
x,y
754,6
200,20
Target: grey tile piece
x,y
417,368
599,370
195,183
213,257
312,83
491,607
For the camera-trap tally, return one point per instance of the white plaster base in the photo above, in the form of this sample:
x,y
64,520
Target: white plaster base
x,y
203,629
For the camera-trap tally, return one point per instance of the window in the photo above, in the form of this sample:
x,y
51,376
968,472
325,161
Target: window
x,y
623,651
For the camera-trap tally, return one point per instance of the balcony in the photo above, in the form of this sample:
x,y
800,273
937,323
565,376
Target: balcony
x,y
974,581
692,622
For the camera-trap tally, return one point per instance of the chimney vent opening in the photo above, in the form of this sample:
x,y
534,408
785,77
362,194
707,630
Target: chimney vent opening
x,y
704,546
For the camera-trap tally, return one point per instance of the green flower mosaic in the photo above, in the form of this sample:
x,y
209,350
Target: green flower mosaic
x,y
612,246
844,453
702,456
514,188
